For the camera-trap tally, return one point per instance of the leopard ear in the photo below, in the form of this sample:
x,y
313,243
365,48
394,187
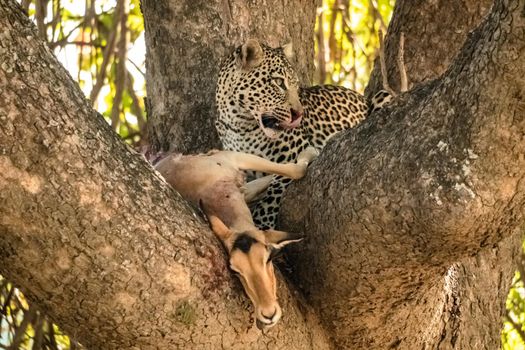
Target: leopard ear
x,y
251,55
288,51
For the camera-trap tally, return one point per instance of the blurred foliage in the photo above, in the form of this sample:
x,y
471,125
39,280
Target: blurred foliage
x,y
101,43
347,45
23,326
513,334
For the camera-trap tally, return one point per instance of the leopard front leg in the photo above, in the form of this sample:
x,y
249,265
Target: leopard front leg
x,y
255,189
265,211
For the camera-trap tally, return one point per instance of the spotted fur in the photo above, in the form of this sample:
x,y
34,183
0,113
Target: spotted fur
x,y
263,111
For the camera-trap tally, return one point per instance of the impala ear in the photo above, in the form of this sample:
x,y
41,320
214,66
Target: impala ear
x,y
251,55
217,226
278,239
288,51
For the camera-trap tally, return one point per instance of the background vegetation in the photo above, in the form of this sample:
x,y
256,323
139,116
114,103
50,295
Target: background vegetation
x,y
101,43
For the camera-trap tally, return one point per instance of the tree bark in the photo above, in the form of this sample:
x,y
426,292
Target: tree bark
x,y
98,241
118,259
427,56
411,195
186,41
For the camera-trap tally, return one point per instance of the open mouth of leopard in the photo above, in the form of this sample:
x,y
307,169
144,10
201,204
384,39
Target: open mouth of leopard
x,y
269,121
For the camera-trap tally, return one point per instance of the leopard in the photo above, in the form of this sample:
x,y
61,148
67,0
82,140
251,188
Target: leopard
x,y
263,110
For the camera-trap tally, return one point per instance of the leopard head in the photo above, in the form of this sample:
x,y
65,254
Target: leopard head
x,y
258,88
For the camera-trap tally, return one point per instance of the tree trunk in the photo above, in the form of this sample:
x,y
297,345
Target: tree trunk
x,y
98,241
414,192
427,56
186,41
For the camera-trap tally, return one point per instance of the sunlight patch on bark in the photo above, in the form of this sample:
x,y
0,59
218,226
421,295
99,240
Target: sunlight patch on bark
x,y
177,280
107,251
125,300
62,259
508,188
9,173
90,195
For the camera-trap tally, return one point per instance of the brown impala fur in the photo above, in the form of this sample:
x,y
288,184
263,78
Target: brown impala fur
x,y
215,181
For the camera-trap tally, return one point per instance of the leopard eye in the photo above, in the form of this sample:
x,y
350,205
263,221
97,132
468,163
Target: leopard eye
x,y
280,83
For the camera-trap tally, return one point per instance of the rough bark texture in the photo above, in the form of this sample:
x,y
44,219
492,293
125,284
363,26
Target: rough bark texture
x,y
434,32
96,239
427,56
409,197
186,41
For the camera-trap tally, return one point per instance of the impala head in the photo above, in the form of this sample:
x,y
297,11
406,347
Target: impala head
x,y
251,254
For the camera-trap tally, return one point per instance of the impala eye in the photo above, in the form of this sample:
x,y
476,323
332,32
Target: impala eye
x,y
280,82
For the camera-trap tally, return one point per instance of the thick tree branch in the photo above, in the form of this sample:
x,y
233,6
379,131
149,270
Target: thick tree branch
x,y
433,180
96,239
